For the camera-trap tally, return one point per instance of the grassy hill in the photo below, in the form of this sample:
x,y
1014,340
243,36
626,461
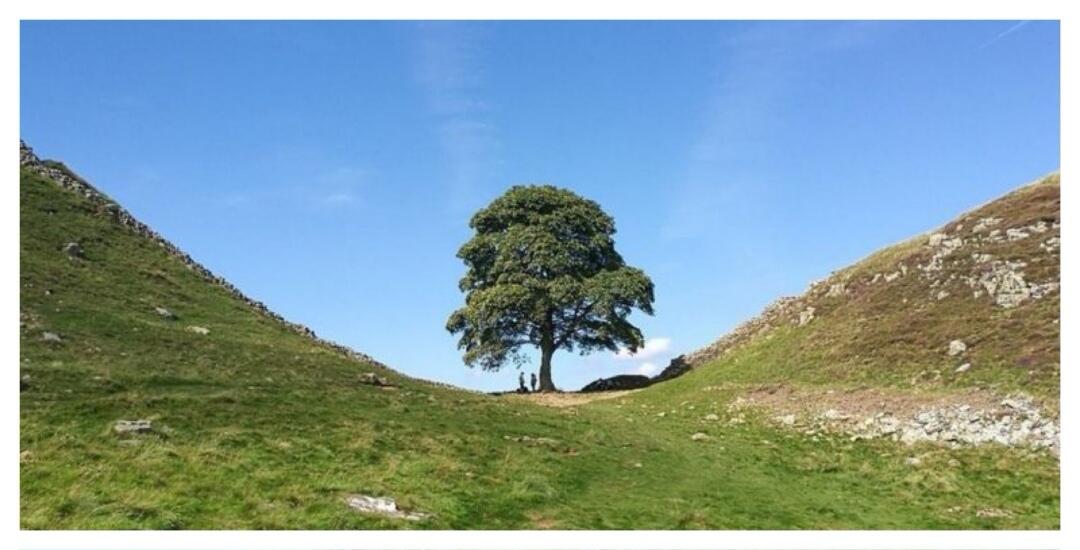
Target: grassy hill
x,y
988,279
256,424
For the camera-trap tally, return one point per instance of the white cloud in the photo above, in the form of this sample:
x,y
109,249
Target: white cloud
x,y
648,369
652,348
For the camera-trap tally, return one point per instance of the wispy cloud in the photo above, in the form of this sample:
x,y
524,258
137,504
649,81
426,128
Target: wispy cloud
x,y
1005,33
756,78
449,69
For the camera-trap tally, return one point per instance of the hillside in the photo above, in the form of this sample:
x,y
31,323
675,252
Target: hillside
x,y
155,395
988,280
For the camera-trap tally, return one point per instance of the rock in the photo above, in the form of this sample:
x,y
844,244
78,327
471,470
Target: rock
x,y
787,420
124,427
836,290
913,461
677,367
963,368
806,315
712,417
956,347
198,330
165,313
699,436
985,223
74,250
619,382
382,506
51,337
373,379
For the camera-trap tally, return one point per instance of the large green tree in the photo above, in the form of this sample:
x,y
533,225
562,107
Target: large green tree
x,y
543,271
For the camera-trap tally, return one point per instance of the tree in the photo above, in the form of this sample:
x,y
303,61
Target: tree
x,y
542,270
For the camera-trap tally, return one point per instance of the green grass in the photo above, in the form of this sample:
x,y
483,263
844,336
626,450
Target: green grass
x,y
257,427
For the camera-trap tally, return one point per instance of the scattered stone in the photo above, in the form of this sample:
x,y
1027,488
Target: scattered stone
x,y
124,427
712,417
913,461
165,313
963,368
699,436
993,513
956,347
787,420
198,330
382,506
373,379
806,315
941,295
985,223
836,290
51,337
74,250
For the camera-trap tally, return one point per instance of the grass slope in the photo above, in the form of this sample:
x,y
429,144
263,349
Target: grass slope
x,y
259,427
880,333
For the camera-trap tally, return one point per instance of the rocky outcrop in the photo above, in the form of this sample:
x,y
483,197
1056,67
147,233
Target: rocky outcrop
x,y
1005,253
619,382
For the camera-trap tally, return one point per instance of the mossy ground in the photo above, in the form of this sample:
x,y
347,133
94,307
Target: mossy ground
x,y
258,427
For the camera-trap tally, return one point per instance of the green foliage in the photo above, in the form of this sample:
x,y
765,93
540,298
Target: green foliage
x,y
543,270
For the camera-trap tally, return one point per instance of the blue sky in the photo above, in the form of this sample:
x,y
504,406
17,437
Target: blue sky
x,y
329,168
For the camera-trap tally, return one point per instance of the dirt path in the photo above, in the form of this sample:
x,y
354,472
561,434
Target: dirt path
x,y
567,399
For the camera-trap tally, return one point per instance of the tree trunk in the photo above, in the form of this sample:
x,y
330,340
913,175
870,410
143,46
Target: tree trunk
x,y
546,385
547,349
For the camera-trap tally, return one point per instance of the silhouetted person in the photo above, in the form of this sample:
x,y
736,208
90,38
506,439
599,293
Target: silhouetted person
x,y
521,383
532,381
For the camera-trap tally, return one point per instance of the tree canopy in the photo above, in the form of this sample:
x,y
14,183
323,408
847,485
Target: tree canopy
x,y
542,270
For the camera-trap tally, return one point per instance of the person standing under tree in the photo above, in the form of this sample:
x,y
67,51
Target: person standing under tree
x,y
532,381
521,383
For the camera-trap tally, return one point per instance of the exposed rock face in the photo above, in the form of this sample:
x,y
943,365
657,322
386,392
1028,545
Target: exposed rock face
x,y
956,347
619,382
66,179
1014,421
382,506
